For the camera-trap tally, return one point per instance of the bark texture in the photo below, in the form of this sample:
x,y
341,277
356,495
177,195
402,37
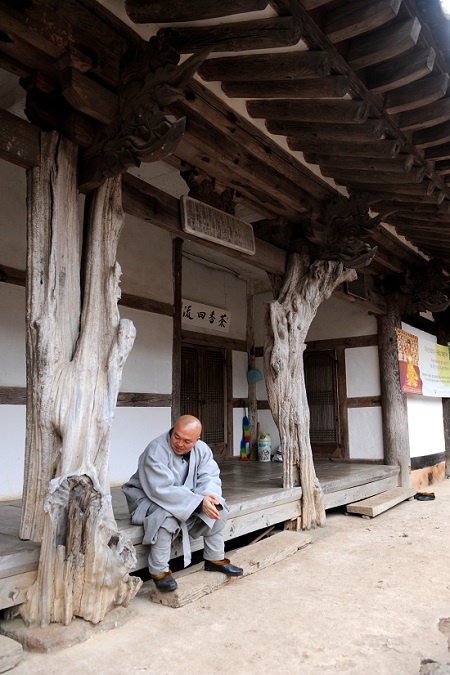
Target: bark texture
x,y
443,336
306,286
394,410
76,348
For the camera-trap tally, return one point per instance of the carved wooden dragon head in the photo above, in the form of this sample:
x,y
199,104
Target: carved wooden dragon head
x,y
341,230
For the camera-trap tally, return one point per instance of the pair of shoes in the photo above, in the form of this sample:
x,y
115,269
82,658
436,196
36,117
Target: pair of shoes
x,y
223,566
424,496
164,582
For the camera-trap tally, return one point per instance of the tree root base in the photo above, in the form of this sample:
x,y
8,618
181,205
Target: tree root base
x,y
56,636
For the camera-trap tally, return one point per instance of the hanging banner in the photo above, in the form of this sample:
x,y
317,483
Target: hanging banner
x,y
424,365
197,314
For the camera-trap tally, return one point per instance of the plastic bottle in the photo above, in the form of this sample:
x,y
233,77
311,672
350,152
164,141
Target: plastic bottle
x,y
264,447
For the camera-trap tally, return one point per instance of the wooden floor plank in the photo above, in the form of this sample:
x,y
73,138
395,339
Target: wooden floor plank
x,y
13,590
352,494
17,556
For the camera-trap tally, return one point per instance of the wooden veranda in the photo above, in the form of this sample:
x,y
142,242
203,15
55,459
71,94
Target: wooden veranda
x,y
254,493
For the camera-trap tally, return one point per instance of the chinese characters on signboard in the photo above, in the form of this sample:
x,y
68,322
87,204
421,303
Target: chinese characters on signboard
x,y
197,314
211,224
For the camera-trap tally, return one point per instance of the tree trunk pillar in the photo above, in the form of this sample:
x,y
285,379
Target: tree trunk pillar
x,y
252,398
394,407
288,318
177,269
443,336
77,345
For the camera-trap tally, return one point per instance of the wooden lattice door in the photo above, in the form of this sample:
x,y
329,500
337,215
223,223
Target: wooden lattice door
x,y
203,392
321,390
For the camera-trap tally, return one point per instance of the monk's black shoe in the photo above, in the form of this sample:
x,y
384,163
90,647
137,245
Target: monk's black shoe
x,y
223,566
164,582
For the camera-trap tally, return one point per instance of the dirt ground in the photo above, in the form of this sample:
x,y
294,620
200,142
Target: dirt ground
x,y
367,596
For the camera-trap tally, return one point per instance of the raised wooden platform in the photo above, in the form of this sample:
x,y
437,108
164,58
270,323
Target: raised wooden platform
x,y
253,491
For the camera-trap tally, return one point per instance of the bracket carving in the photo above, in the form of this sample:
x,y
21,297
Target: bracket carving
x,y
209,191
425,289
142,131
341,231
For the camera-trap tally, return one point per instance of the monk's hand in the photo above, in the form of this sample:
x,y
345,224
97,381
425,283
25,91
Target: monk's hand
x,y
209,507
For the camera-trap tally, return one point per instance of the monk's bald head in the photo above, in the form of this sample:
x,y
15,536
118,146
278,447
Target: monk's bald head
x,y
185,434
189,422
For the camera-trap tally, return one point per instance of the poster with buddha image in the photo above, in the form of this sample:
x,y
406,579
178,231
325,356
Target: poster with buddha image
x,y
408,362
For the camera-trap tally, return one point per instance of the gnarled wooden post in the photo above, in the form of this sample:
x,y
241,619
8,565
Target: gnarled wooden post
x,y
443,336
288,319
76,348
336,246
77,344
394,409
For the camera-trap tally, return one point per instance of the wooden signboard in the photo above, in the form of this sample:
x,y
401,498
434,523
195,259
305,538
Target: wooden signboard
x,y
199,315
208,223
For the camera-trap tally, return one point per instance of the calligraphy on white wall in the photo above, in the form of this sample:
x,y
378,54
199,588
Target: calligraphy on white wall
x,y
197,314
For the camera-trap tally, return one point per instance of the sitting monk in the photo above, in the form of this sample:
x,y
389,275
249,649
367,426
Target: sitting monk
x,y
177,487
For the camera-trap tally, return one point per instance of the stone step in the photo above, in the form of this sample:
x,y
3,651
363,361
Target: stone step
x,y
373,506
195,583
10,653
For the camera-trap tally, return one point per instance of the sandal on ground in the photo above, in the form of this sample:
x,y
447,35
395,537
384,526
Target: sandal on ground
x,y
424,496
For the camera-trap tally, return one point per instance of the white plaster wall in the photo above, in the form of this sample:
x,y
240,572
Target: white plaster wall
x,y
425,415
132,431
365,433
12,450
145,256
148,367
364,424
12,336
240,366
362,371
260,302
425,425
218,288
13,216
336,319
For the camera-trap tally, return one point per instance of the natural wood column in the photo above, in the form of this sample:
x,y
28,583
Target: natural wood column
x,y
446,414
252,399
443,336
177,268
394,409
76,349
305,286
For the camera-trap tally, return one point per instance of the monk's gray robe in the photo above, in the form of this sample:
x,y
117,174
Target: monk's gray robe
x,y
160,489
